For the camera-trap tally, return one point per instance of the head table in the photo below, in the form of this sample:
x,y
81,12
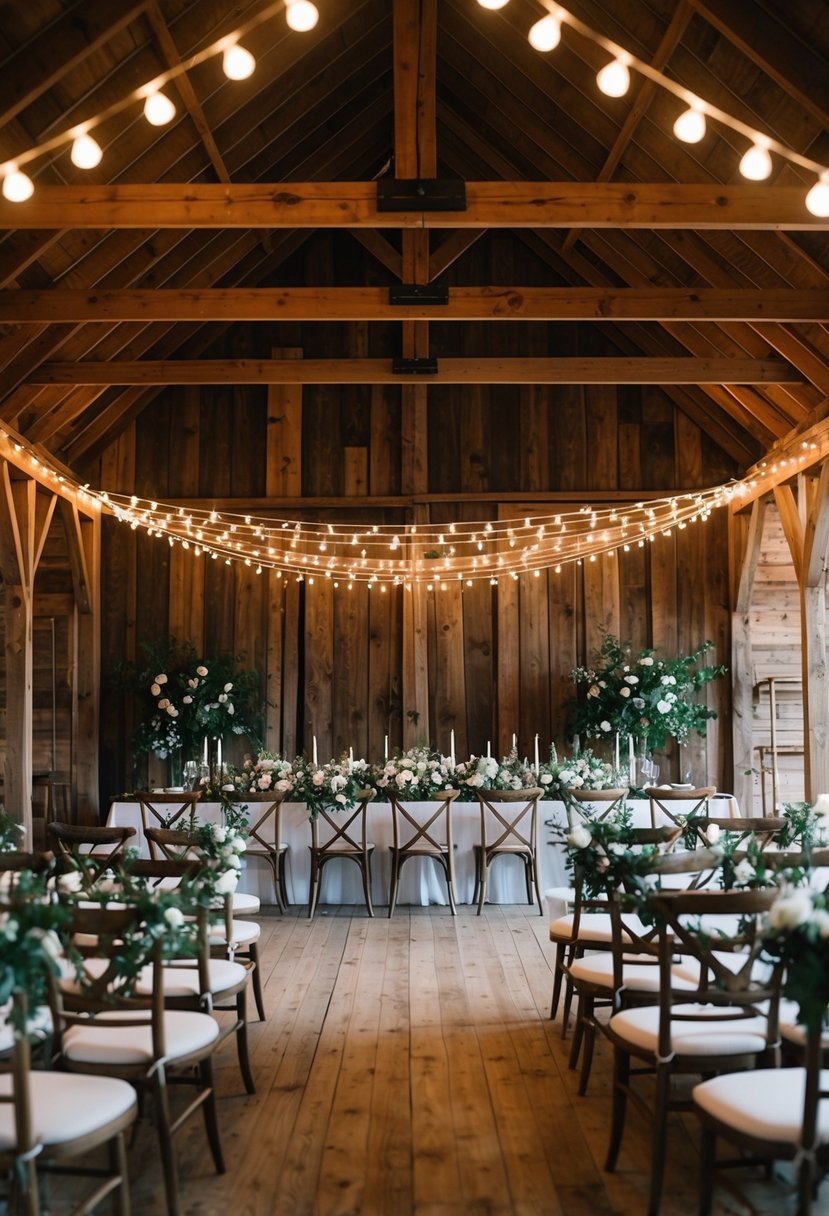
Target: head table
x,y
421,883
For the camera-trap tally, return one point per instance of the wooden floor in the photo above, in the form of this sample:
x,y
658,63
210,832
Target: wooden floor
x,y
409,1066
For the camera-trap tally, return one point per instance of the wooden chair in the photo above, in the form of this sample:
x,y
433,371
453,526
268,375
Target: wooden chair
x,y
165,810
590,805
101,848
418,836
763,828
265,839
726,1024
338,834
56,788
103,1029
509,828
663,807
48,1118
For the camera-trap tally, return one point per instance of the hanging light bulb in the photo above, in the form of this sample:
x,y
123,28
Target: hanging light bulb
x,y
237,63
17,186
545,35
493,4
614,78
817,200
86,152
158,109
301,15
690,126
756,163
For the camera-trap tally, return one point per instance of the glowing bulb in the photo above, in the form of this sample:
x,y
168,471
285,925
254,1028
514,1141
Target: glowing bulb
x,y
492,4
237,63
301,15
690,126
545,35
17,186
614,79
756,163
159,110
86,152
817,200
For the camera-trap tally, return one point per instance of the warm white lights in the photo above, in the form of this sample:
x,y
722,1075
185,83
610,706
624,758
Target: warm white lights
x,y
17,187
493,4
545,35
690,126
301,15
756,163
614,78
158,109
817,200
237,63
86,152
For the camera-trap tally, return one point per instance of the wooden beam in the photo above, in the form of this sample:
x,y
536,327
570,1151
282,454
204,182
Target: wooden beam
x,y
86,681
451,249
353,205
81,581
794,454
792,526
744,555
577,370
489,303
380,248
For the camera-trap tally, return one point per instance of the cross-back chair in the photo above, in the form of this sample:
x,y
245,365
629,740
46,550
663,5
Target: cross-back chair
x,y
100,847
595,805
109,1030
509,828
48,1118
726,1023
341,834
265,838
166,810
664,808
419,833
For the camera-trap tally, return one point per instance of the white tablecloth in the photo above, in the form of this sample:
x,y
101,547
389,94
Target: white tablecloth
x,y
421,882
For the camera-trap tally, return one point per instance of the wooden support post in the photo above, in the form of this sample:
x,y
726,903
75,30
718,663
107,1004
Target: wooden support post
x,y
744,552
814,632
86,685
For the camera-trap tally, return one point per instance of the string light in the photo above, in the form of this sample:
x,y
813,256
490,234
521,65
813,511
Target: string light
x,y
86,152
614,78
545,35
756,163
690,126
301,15
817,200
237,63
158,109
493,4
17,186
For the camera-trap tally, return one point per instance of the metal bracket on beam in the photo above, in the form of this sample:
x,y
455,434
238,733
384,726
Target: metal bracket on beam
x,y
421,194
422,366
418,293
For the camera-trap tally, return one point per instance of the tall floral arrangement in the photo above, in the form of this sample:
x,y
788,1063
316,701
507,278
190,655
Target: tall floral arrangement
x,y
642,695
268,773
332,786
185,698
581,771
416,773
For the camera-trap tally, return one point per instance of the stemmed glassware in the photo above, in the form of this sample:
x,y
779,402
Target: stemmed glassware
x,y
191,774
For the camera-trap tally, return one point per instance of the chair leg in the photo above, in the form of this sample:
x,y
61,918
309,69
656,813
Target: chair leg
x,y
273,862
314,888
256,980
482,883
528,878
477,887
211,1123
587,1054
558,975
660,1132
283,882
118,1165
537,887
242,1040
621,1079
165,1140
365,867
707,1165
451,893
585,1007
395,878
568,1003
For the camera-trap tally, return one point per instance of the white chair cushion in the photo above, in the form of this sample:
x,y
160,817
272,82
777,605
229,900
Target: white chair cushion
x,y
66,1106
245,905
105,1042
763,1102
593,927
790,1029
640,1028
184,981
639,977
243,933
40,1026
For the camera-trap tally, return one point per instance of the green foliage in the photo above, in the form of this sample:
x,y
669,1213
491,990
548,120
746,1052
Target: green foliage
x,y
798,934
641,695
29,946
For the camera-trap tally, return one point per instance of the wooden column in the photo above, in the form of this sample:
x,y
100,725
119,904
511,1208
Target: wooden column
x,y
745,535
25,515
415,156
84,540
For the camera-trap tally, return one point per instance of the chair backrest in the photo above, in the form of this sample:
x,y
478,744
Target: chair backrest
x,y
419,828
636,840
342,830
19,1095
713,927
664,808
509,819
593,805
100,847
265,830
165,809
762,828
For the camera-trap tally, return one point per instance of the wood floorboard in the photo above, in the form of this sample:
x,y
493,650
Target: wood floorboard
x,y
408,1067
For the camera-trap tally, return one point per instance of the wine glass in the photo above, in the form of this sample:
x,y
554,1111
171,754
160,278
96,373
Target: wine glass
x,y
191,773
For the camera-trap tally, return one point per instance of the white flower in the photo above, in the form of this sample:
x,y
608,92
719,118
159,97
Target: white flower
x,y
318,778
475,780
624,692
341,798
164,702
264,781
566,776
155,689
646,661
283,784
226,882
162,679
187,700
744,872
579,836
172,711
231,710
821,806
222,698
201,671
174,917
219,832
545,779
631,679
820,920
228,687
70,882
792,908
8,927
713,833
665,680
663,706
593,690
604,725
193,682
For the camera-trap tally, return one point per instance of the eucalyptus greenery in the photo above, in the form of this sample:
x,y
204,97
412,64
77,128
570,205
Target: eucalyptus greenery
x,y
797,932
30,920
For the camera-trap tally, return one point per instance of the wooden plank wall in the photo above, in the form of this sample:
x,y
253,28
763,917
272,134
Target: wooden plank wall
x,y
498,658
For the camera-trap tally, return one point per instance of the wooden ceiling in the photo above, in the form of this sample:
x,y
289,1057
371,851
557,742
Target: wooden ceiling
x,y
123,276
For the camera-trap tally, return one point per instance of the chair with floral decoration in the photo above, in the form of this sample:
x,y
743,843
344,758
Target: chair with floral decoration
x,y
341,834
509,828
419,834
665,808
163,809
264,837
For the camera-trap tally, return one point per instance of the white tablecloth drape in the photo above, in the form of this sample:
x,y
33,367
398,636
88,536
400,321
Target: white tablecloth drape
x,y
421,882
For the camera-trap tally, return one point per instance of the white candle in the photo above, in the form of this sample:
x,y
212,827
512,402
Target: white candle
x,y
616,765
314,751
204,751
631,760
219,755
489,749
513,742
385,747
537,765
351,757
452,747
